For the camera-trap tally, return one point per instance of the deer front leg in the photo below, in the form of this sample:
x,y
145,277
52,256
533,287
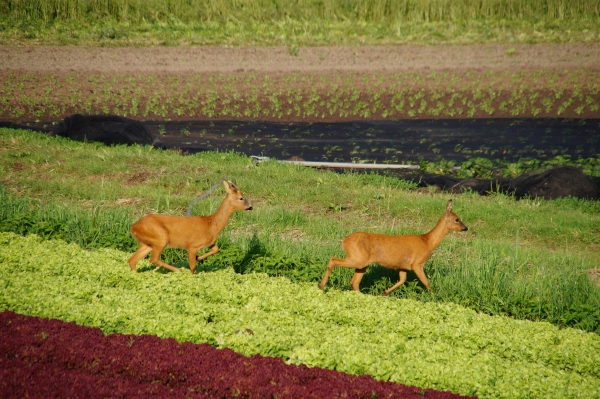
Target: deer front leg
x,y
421,275
398,284
213,250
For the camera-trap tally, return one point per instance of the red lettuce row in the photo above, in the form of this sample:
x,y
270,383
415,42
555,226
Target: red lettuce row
x,y
51,358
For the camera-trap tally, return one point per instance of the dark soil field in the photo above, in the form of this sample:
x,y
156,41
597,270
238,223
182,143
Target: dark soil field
x,y
388,142
404,141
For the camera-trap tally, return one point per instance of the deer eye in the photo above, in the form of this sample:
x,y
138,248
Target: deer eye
x,y
457,220
241,198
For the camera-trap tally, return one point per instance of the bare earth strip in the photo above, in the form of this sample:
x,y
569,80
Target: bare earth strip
x,y
308,59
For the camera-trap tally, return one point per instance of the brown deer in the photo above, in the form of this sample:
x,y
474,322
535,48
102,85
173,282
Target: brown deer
x,y
407,252
156,232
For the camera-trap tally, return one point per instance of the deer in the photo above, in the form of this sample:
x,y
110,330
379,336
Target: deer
x,y
405,252
156,232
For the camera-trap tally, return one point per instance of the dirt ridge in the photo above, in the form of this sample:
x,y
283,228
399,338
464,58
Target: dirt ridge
x,y
215,59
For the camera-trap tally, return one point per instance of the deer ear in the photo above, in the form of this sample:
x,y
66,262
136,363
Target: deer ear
x,y
449,206
227,186
233,184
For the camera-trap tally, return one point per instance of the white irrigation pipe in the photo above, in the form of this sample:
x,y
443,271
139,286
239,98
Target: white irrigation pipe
x,y
346,165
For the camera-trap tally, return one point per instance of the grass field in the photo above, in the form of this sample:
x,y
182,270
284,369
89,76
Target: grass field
x,y
529,259
297,23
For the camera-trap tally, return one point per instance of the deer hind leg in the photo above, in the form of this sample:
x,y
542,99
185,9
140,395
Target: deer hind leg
x,y
155,259
138,255
398,284
348,262
358,275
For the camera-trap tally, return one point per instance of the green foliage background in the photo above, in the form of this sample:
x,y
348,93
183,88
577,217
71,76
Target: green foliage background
x,y
268,10
301,22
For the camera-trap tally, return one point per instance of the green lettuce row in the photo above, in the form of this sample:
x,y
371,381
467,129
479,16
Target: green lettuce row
x,y
434,345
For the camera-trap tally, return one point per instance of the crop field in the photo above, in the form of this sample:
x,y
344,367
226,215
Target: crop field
x,y
312,97
442,346
495,88
57,353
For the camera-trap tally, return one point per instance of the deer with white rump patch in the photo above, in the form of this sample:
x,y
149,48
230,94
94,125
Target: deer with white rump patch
x,y
407,252
156,232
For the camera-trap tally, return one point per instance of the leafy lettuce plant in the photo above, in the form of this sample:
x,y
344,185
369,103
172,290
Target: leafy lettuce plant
x,y
432,345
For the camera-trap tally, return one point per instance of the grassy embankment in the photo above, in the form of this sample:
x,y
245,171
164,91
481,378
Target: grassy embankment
x,y
295,24
529,259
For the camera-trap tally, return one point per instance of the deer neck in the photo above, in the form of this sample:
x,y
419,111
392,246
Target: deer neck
x,y
436,235
220,218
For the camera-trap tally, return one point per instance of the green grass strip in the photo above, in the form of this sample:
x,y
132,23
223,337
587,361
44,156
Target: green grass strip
x,y
268,10
442,346
297,23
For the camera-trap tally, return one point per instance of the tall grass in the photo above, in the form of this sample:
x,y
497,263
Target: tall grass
x,y
526,284
296,23
89,228
381,11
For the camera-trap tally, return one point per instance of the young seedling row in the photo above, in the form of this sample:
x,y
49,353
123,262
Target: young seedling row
x,y
307,97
